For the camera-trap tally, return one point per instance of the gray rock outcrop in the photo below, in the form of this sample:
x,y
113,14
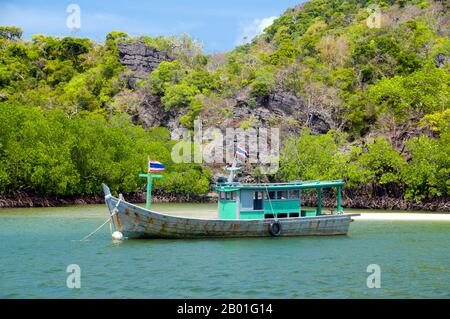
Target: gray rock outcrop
x,y
282,105
141,58
150,112
278,104
317,123
441,59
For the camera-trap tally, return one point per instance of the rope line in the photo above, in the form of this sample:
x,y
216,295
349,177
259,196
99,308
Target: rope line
x,y
114,212
270,202
98,228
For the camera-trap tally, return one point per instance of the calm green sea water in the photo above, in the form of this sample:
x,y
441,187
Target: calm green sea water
x,y
38,244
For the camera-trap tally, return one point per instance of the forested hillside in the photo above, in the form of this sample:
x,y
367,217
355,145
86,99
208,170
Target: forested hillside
x,y
368,104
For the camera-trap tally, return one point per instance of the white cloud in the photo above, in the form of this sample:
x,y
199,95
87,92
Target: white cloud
x,y
251,30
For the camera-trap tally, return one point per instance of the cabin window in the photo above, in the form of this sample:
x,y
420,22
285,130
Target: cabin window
x,y
293,194
230,195
272,195
294,215
269,216
257,201
282,195
222,195
282,215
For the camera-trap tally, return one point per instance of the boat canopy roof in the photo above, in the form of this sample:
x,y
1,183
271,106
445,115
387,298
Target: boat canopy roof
x,y
231,187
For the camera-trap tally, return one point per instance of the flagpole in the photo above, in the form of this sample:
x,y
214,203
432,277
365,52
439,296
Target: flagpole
x,y
149,176
149,191
149,186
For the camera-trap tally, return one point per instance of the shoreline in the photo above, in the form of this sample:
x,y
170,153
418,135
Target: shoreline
x,y
355,202
32,201
403,216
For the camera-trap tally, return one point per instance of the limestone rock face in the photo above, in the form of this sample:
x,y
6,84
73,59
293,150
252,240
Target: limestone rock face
x,y
441,59
283,105
278,104
317,123
150,113
141,58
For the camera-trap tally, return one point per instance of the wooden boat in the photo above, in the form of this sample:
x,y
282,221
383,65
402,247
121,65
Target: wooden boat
x,y
244,210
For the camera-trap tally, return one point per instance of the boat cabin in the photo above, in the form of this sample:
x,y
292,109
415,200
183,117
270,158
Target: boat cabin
x,y
274,200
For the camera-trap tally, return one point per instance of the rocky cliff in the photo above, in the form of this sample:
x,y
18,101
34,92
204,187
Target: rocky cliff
x,y
286,110
141,58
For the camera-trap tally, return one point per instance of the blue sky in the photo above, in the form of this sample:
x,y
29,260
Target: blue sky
x,y
219,25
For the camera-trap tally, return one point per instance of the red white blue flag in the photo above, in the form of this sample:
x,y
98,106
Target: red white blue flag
x,y
155,167
241,152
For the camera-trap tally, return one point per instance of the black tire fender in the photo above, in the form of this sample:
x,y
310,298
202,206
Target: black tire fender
x,y
275,229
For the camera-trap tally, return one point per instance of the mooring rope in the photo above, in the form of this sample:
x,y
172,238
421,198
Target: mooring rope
x,y
270,202
114,212
98,228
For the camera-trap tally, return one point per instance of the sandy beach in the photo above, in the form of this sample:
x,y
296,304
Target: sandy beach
x,y
403,216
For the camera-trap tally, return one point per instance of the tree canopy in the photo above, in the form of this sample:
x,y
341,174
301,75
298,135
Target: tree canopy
x,y
66,104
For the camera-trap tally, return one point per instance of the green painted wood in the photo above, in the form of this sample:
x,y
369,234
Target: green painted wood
x,y
252,214
148,197
281,206
227,189
275,206
281,186
308,213
227,209
153,175
148,201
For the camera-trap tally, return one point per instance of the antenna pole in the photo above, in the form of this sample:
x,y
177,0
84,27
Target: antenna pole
x,y
233,167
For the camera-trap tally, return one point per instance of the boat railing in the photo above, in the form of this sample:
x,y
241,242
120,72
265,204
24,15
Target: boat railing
x,y
296,182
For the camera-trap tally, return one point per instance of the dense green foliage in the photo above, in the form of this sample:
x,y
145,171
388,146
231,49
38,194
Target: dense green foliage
x,y
65,103
384,79
377,164
48,152
362,78
56,136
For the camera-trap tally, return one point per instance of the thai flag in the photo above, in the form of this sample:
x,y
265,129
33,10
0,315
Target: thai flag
x,y
155,167
241,152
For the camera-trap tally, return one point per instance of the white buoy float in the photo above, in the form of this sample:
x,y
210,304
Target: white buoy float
x,y
117,235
